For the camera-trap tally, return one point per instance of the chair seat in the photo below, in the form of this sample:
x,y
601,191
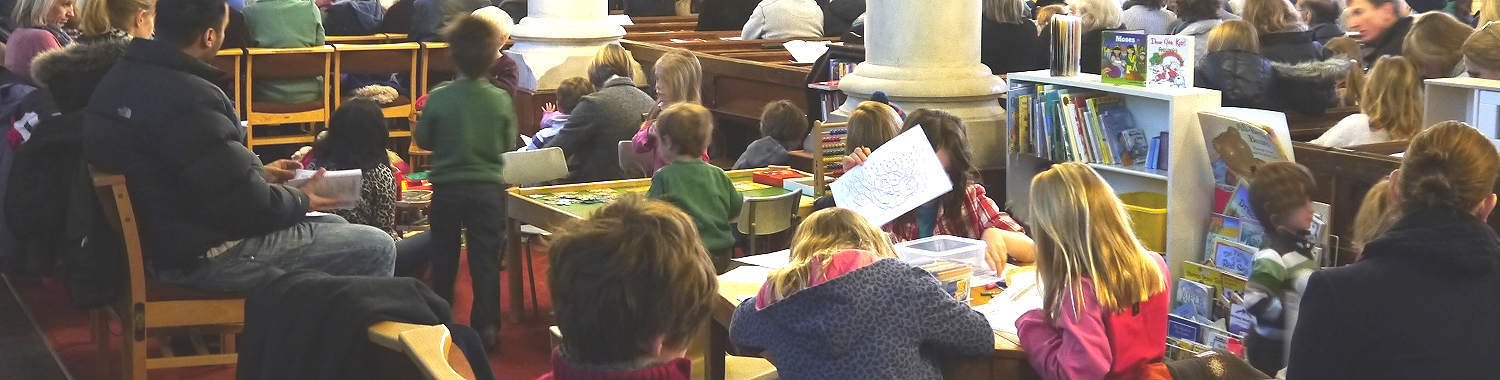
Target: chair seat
x,y
527,229
157,291
268,107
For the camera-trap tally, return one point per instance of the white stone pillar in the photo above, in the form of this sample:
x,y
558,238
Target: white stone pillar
x,y
925,54
558,38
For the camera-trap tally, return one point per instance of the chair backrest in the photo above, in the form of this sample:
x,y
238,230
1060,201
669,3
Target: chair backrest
x,y
232,61
288,63
635,165
114,200
437,65
375,59
430,348
768,215
534,166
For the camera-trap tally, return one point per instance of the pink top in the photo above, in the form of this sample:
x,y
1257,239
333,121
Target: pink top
x,y
840,264
25,44
1094,344
645,142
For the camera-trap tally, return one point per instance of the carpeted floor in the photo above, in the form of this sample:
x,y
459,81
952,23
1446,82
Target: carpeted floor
x,y
523,353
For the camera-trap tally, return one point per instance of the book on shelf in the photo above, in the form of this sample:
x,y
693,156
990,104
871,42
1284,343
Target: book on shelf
x,y
838,68
1123,59
1057,123
1169,61
1067,40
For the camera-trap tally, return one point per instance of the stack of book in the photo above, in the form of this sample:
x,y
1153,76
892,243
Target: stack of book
x,y
953,275
831,98
1064,124
1067,40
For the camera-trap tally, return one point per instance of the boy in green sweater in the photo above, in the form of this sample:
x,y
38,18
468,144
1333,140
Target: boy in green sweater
x,y
698,188
1279,197
466,125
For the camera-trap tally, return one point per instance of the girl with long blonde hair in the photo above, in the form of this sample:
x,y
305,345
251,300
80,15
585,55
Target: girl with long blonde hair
x,y
679,79
1390,107
1105,298
843,307
1354,82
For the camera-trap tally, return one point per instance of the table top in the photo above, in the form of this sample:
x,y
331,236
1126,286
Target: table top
x,y
599,194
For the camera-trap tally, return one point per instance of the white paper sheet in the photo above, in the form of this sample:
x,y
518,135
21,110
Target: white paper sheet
x,y
903,174
746,274
341,184
805,51
773,260
1004,309
620,19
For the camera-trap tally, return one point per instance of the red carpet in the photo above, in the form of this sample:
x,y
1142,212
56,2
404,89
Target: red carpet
x,y
523,354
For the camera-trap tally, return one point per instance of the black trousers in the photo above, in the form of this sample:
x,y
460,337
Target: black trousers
x,y
479,208
1265,354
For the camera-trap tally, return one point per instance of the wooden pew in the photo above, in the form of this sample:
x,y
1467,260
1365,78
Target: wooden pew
x,y
666,36
662,26
1343,177
663,19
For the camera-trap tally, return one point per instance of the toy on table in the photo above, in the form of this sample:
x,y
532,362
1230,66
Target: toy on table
x,y
774,177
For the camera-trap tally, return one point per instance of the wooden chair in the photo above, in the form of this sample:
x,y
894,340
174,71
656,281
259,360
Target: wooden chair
x,y
762,216
437,66
378,38
290,63
232,61
429,351
147,306
378,59
395,37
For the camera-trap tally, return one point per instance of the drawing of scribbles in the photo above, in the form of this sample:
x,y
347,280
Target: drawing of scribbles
x,y
888,185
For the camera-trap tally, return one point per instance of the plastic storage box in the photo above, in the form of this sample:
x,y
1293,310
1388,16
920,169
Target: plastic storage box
x,y
1148,217
945,248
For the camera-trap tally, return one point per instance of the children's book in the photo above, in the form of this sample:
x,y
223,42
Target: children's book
x,y
1169,61
1134,147
1242,139
1251,233
1224,226
1233,257
1194,299
1123,60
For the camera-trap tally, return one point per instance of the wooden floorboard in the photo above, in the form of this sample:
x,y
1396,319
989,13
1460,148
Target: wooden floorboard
x,y
24,355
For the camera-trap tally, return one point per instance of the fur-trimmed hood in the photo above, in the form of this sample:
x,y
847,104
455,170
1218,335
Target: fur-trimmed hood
x,y
72,73
1328,70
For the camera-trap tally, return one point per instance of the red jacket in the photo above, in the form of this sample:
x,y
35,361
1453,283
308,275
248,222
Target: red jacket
x,y
1096,344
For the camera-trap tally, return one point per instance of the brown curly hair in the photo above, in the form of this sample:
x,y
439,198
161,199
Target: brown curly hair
x,y
1277,189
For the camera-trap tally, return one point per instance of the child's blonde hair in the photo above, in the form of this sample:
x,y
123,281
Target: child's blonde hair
x,y
1097,14
1393,98
871,124
680,71
825,233
1354,81
1234,35
1271,16
1081,230
1435,44
1483,47
1375,215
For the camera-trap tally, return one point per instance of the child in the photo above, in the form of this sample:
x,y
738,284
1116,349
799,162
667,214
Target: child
x,y
700,189
466,125
1375,215
870,125
1482,51
679,79
1279,198
1234,66
356,140
1354,82
632,285
1390,108
568,94
1435,45
783,126
285,24
1105,299
861,338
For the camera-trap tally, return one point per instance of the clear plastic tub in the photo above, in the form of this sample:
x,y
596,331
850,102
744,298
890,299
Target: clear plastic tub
x,y
947,248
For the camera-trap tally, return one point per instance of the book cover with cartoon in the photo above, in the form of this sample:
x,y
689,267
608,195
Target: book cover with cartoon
x,y
1169,61
1123,60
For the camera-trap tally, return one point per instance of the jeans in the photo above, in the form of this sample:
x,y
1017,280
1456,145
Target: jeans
x,y
326,243
479,208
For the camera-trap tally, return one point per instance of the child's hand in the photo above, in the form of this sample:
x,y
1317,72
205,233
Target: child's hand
x,y
549,108
856,157
655,112
995,251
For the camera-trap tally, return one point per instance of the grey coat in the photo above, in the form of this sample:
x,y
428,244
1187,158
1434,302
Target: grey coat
x,y
594,130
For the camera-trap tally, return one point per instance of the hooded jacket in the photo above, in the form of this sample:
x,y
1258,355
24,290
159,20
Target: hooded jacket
x,y
1243,78
1199,30
71,73
887,320
1418,305
1309,87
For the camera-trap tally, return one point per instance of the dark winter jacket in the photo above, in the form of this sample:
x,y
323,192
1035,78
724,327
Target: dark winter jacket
x,y
1418,305
888,320
1389,42
1290,47
193,184
352,18
1243,78
1009,48
725,14
71,73
839,15
1324,32
597,125
1308,87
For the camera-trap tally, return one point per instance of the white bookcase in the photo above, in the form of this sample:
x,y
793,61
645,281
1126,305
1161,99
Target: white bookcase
x,y
1188,182
1470,100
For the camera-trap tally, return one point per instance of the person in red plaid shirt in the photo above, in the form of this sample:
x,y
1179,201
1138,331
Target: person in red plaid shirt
x,y
971,214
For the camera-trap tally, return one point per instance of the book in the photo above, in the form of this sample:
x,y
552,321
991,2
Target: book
x,y
1183,328
344,185
1194,299
1161,157
1233,257
1067,38
1169,61
1241,144
1228,292
1134,147
1123,59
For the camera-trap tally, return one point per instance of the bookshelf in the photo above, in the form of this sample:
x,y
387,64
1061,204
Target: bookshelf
x,y
824,96
1470,100
1188,184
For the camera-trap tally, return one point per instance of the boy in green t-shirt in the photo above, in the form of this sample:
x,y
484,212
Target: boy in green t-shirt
x,y
1279,197
698,188
466,125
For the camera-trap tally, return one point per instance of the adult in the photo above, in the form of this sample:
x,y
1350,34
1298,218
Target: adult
x,y
1445,256
285,24
106,27
38,30
1305,75
1322,19
1435,45
1381,24
1007,39
839,16
778,19
1234,66
725,14
1482,52
431,17
1148,15
1197,18
211,217
604,118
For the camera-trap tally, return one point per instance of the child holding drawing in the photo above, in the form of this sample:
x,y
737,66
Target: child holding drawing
x,y
1105,299
862,338
1278,276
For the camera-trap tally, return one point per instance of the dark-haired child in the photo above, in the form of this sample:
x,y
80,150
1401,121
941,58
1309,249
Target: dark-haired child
x,y
783,125
555,117
466,125
698,188
356,140
1279,197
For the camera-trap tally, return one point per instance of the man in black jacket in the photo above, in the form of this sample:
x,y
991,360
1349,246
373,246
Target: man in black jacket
x,y
1381,27
211,216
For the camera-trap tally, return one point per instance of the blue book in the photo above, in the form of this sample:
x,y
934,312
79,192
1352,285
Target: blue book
x,y
1183,328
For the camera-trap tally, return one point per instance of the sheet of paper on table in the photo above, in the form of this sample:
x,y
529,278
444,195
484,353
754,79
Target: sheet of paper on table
x,y
340,184
903,174
620,20
806,51
1004,309
746,274
773,260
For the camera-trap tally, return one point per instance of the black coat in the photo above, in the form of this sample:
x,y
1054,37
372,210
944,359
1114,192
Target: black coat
x,y
1290,47
1306,89
1243,78
1324,32
1389,42
192,181
725,14
1008,48
1421,304
839,15
601,120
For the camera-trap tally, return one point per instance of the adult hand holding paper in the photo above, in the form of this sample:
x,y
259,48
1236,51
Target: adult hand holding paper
x,y
329,190
903,174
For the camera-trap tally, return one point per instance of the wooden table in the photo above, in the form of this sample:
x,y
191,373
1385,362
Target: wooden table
x,y
521,208
1006,362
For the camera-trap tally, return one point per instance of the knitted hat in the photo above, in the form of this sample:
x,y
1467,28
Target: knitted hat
x,y
879,96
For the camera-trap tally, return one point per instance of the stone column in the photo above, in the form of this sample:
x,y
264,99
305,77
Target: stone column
x,y
925,54
558,38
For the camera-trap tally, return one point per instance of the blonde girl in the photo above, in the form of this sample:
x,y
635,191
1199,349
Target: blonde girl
x,y
842,286
870,125
1482,50
1105,299
1354,82
1435,45
679,79
1390,107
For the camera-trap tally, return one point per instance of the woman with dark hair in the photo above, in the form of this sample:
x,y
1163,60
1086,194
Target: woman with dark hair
x,y
356,140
